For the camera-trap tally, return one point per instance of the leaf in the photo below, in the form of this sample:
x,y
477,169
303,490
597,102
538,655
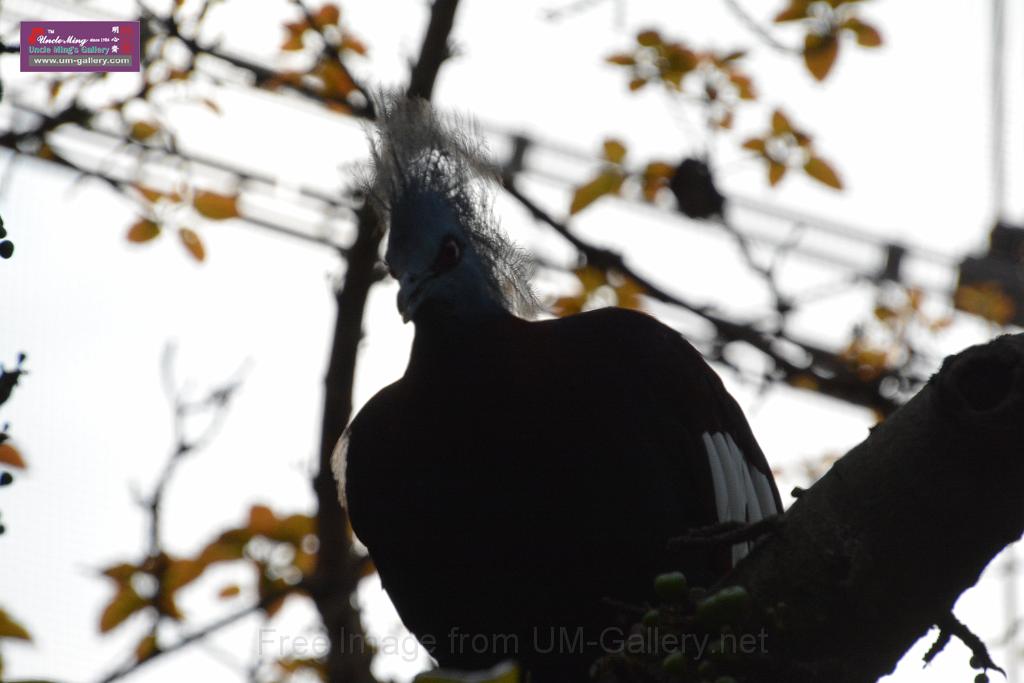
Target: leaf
x,y
621,59
775,172
614,151
262,521
656,175
780,123
10,456
143,130
216,206
755,145
149,193
179,573
867,35
336,79
628,294
143,231
230,591
609,181
637,83
146,648
125,603
9,628
591,277
820,170
296,31
796,11
192,243
649,38
212,106
121,573
820,52
327,15
568,305
352,44
986,299
744,86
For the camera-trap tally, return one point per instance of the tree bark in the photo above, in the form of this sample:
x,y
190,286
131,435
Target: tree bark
x,y
879,549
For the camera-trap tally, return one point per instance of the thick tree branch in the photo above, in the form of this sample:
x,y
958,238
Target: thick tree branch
x,y
879,550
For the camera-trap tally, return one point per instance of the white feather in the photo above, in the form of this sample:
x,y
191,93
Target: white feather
x,y
717,478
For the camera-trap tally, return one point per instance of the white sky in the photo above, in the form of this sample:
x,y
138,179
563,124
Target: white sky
x,y
907,126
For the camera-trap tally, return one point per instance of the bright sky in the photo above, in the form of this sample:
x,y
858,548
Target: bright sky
x,y
906,125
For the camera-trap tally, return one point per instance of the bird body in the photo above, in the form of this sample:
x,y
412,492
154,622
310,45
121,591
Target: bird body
x,y
522,472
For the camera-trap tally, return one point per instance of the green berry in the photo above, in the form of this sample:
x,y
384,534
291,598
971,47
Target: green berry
x,y
651,617
675,663
671,586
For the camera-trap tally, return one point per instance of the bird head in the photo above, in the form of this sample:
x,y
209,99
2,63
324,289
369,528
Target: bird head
x,y
431,182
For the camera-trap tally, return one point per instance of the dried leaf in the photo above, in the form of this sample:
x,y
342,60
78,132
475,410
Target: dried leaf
x,y
614,151
146,648
820,170
327,15
10,456
230,591
216,206
211,105
143,231
649,38
143,130
9,628
867,35
121,573
780,123
350,43
335,78
775,172
637,83
820,52
149,193
796,11
591,278
125,603
192,243
755,145
609,181
621,59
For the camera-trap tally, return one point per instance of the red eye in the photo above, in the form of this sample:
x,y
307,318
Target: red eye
x,y
449,255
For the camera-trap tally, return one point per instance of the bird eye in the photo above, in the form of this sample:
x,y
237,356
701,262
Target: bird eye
x,y
449,255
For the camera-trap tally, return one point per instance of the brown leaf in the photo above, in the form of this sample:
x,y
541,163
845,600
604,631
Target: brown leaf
x,y
10,456
149,193
125,603
121,573
146,648
216,206
656,175
621,59
591,278
820,52
143,130
867,35
179,573
628,294
211,105
352,44
609,181
262,521
775,172
327,15
568,305
755,145
780,123
744,86
335,78
820,170
796,11
9,628
614,151
648,38
192,243
230,591
637,83
143,231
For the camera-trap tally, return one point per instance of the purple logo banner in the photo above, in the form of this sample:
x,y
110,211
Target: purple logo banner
x,y
80,46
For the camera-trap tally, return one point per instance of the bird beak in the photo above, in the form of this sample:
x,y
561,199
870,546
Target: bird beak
x,y
410,286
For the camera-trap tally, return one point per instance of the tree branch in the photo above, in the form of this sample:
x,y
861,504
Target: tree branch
x,y
879,550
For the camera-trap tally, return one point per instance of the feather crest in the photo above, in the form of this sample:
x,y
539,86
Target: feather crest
x,y
418,153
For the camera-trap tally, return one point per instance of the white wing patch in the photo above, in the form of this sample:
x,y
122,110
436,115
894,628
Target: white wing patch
x,y
338,464
742,492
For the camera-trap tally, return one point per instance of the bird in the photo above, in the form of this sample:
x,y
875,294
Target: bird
x,y
523,474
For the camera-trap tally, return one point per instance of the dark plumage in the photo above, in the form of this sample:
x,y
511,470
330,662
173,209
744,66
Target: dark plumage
x,y
520,472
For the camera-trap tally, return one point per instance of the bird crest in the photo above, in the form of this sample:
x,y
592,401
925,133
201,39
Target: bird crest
x,y
423,163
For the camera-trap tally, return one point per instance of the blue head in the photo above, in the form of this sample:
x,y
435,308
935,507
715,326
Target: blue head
x,y
431,182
